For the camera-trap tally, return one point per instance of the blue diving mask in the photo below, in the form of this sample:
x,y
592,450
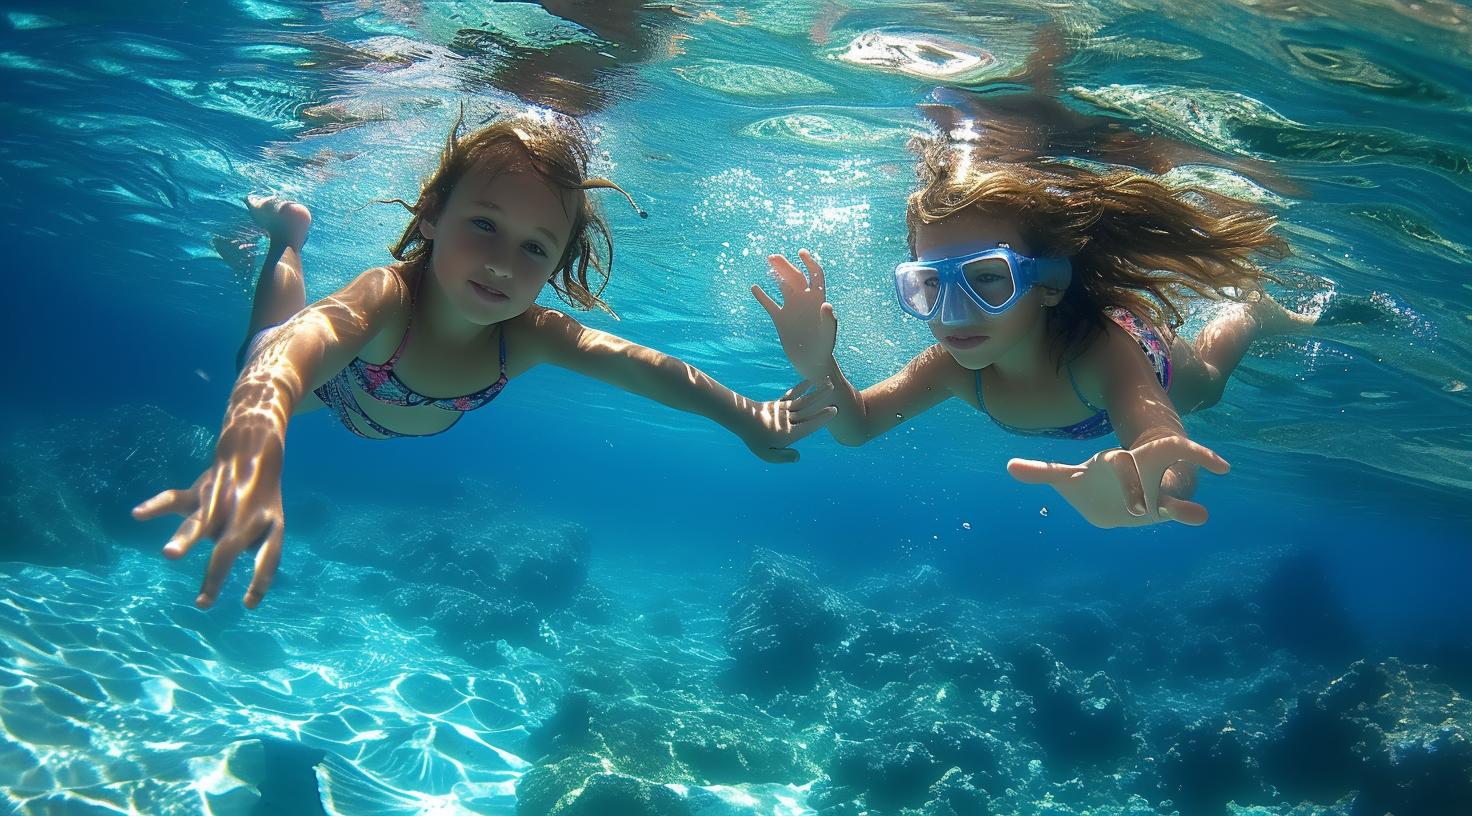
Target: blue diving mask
x,y
993,280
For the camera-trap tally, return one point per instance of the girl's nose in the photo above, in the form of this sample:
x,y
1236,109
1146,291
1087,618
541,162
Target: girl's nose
x,y
957,308
499,273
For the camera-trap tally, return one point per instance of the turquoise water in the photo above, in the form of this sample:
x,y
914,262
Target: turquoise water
x,y
556,602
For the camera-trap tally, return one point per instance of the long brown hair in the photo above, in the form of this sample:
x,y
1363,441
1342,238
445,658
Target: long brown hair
x,y
1134,242
555,149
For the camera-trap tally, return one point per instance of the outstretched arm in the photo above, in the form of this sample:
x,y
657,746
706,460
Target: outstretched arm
x,y
768,428
237,500
1147,480
808,328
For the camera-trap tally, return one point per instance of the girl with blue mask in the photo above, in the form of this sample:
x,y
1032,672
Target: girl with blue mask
x,y
1054,294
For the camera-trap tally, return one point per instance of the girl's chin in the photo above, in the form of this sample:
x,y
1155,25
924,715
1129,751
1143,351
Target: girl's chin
x,y
972,361
487,314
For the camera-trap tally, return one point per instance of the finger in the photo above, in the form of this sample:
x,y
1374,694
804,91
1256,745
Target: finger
x,y
1209,459
1181,449
781,456
812,412
170,501
820,392
1127,470
266,562
788,278
796,390
766,301
1186,512
1032,471
190,531
221,560
1189,451
816,280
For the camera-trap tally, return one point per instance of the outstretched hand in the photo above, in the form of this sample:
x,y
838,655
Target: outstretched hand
x,y
804,409
805,321
1122,488
236,502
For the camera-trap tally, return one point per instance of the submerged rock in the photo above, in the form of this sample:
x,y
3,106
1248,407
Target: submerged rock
x,y
1077,721
782,625
1209,764
665,738
66,491
1387,735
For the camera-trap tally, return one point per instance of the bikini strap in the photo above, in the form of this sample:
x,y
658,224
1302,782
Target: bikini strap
x,y
1078,392
389,364
409,324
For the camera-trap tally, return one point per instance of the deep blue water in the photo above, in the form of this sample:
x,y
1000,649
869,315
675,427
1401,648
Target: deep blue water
x,y
132,133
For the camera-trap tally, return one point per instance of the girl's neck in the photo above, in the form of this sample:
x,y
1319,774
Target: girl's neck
x,y
1034,355
439,321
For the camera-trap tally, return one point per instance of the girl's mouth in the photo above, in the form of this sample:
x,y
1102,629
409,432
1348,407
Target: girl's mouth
x,y
487,293
965,341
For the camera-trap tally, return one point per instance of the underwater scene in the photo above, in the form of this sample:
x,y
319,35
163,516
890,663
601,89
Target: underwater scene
x,y
1107,451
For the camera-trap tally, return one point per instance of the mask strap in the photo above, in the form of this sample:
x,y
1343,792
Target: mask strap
x,y
1055,273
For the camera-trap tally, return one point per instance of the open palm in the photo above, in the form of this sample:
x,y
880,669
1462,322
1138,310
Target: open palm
x,y
805,321
1121,488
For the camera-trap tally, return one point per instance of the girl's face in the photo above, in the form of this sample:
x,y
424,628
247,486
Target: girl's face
x,y
983,339
497,242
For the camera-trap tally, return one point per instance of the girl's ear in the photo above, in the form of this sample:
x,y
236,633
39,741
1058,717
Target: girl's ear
x,y
1051,297
426,229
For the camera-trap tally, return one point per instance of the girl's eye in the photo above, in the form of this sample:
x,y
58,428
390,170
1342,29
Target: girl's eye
x,y
536,249
931,283
484,225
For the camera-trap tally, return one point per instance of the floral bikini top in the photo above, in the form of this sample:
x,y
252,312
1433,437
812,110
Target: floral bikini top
x,y
379,381
1157,351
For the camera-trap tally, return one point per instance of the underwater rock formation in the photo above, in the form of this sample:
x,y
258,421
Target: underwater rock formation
x,y
543,565
669,740
66,490
1078,719
1209,764
1385,734
782,625
889,695
583,786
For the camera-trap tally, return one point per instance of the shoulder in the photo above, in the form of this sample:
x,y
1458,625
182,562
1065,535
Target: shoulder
x,y
543,334
936,368
1111,356
542,324
380,289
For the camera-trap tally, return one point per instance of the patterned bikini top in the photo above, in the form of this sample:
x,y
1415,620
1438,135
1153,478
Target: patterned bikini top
x,y
379,381
1156,350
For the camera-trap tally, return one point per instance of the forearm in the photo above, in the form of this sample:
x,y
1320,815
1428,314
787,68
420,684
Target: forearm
x,y
673,382
851,425
274,382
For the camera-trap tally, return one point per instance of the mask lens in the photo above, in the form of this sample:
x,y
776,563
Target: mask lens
x,y
919,288
991,279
